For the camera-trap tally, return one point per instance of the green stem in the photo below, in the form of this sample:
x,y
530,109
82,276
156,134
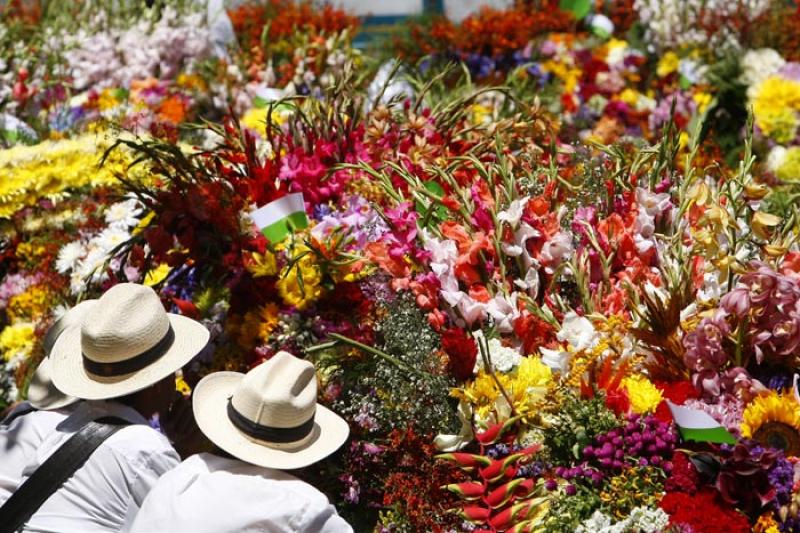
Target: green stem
x,y
374,351
483,345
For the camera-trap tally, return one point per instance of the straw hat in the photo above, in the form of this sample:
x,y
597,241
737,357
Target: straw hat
x,y
270,416
42,394
124,344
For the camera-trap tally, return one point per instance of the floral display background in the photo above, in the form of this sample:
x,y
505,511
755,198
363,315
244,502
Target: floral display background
x,y
528,232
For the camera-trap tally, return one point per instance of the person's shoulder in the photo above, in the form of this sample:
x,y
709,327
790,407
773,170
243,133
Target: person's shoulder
x,y
140,443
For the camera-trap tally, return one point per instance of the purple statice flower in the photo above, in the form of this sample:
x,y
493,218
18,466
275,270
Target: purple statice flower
x,y
781,477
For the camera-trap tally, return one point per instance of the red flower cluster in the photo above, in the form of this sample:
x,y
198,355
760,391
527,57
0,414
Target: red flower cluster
x,y
703,512
284,18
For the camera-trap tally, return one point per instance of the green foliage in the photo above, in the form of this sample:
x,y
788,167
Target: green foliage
x,y
575,425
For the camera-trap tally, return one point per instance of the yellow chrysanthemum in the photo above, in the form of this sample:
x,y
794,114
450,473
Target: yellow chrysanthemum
x,y
262,265
16,340
256,118
30,305
526,387
773,419
643,395
789,170
157,275
299,281
775,108
269,319
702,99
667,64
49,168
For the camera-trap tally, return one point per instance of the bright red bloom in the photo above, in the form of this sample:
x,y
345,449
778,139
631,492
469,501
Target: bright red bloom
x,y
677,392
461,350
703,513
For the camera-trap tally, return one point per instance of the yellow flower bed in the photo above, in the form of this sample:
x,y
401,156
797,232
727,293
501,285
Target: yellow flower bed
x,y
51,168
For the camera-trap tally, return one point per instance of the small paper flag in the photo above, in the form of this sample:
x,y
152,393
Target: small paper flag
x,y
578,8
698,426
601,26
279,218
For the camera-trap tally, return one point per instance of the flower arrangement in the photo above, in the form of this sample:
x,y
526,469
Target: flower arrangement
x,y
515,280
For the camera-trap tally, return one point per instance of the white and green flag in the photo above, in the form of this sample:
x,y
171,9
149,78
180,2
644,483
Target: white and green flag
x,y
279,218
698,426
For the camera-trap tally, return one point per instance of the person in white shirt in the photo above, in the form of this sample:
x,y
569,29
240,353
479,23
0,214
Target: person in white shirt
x,y
266,421
122,359
28,424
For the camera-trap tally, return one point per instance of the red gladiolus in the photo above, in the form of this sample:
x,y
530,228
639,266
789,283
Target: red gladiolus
x,y
461,351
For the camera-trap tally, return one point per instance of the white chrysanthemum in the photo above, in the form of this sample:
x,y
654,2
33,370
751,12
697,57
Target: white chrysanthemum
x,y
648,520
110,238
776,158
758,65
502,358
68,256
123,214
92,267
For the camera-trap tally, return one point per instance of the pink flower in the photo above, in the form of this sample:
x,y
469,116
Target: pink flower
x,y
736,302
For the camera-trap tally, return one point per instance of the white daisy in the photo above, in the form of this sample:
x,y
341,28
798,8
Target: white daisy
x,y
123,214
68,256
110,238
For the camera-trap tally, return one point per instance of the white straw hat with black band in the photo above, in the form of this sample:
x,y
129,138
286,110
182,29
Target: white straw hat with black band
x,y
270,416
42,393
124,344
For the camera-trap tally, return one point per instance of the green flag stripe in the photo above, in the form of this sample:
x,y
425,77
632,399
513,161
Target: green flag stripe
x,y
718,434
278,230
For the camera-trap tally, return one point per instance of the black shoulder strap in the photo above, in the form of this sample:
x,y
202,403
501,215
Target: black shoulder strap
x,y
57,469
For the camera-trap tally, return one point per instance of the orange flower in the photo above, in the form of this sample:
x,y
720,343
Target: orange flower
x,y
172,109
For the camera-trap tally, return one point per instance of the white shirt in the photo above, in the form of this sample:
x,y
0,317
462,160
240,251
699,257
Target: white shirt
x,y
19,441
110,487
211,494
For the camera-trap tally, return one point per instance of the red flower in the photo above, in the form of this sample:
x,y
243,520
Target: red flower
x,y
684,476
703,513
533,332
677,392
461,350
617,400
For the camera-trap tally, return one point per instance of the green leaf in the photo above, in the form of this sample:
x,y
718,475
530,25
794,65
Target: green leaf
x,y
578,8
434,213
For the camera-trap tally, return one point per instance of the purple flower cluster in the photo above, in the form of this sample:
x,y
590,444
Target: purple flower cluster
x,y
580,472
641,440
